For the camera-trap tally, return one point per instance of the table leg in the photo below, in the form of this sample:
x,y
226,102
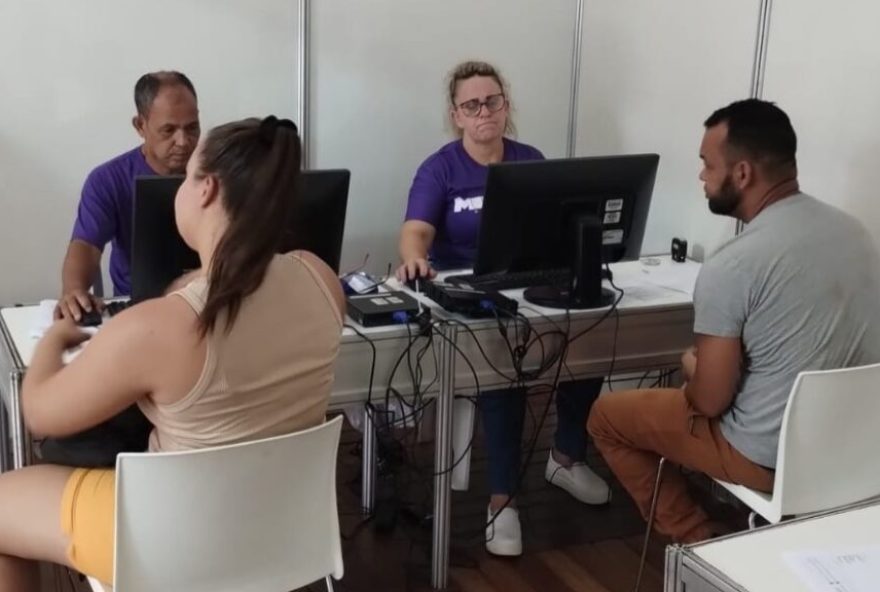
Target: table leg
x,y
443,459
368,463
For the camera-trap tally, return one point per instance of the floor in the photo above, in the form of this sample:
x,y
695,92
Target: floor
x,y
568,546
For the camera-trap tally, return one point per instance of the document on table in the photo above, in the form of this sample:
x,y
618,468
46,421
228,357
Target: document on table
x,y
44,319
842,570
680,277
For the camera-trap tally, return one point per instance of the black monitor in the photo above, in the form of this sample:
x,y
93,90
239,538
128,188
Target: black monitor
x,y
159,255
569,214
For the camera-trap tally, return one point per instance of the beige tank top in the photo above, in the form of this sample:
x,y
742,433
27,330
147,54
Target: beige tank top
x,y
270,375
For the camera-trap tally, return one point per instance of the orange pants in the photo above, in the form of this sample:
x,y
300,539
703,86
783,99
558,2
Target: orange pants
x,y
634,429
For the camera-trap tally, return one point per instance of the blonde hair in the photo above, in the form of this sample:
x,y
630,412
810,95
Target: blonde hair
x,y
469,69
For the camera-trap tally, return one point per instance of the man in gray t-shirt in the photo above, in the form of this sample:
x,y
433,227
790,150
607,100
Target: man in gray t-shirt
x,y
797,290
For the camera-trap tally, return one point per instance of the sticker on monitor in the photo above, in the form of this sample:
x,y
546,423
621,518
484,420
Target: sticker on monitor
x,y
612,237
613,205
611,218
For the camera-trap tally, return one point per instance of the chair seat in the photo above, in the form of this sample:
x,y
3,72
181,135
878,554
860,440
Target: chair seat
x,y
98,586
760,502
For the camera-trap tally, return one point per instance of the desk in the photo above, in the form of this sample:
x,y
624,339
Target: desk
x,y
752,561
350,384
652,326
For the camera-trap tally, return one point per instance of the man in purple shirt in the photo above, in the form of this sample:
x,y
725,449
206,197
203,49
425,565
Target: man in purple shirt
x,y
168,121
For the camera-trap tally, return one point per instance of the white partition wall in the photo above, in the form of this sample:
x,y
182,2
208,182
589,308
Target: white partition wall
x,y
68,72
651,72
377,93
823,69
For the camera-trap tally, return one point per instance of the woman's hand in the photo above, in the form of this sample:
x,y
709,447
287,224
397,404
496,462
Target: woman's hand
x,y
417,267
66,333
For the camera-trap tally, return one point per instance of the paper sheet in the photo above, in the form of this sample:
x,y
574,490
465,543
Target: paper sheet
x,y
841,570
44,318
680,277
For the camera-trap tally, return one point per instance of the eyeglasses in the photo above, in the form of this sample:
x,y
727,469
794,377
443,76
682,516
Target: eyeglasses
x,y
493,103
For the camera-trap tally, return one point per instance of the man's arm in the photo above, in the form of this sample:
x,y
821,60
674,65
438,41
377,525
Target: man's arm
x,y
81,265
716,375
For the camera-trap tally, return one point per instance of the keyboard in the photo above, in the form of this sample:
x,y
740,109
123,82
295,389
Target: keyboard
x,y
512,280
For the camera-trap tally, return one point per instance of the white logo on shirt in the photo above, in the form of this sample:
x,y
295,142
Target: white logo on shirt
x,y
473,204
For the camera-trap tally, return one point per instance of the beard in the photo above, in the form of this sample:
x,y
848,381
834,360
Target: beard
x,y
725,201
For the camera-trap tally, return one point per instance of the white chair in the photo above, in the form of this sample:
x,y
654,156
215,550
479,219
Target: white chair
x,y
827,454
257,516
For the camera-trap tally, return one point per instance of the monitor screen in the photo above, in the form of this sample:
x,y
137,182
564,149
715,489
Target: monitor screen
x,y
159,255
565,214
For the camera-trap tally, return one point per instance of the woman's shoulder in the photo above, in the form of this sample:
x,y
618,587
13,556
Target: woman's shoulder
x,y
320,272
443,157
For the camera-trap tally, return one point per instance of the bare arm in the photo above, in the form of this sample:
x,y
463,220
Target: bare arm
x,y
152,349
81,265
716,375
416,238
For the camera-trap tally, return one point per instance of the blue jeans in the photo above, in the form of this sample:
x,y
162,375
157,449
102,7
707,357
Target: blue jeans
x,y
503,412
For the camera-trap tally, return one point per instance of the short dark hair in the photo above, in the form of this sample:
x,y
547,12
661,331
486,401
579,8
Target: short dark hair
x,y
759,129
149,85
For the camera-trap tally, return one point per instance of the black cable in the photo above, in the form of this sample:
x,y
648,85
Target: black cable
x,y
616,324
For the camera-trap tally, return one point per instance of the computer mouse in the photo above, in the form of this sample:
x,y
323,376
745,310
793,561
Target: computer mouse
x,y
92,318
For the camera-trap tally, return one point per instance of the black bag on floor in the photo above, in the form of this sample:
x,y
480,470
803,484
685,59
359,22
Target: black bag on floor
x,y
97,447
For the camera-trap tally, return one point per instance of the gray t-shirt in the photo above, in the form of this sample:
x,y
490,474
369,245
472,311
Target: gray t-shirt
x,y
801,287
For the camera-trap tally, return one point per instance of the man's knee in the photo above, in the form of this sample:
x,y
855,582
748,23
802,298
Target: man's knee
x,y
612,412
598,420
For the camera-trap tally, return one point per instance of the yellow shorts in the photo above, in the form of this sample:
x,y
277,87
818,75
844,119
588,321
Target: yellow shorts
x,y
88,510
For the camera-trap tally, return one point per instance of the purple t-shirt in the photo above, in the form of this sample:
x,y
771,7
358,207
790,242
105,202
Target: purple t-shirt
x,y
105,212
447,193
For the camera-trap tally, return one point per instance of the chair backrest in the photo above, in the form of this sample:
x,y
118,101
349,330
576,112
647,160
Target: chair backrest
x,y
252,516
829,441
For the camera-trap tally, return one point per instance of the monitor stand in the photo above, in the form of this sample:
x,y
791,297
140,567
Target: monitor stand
x,y
585,290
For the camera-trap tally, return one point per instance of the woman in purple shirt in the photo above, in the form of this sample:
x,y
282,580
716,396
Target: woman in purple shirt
x,y
440,232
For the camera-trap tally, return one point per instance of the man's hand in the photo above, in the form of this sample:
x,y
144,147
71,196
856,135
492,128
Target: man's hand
x,y
689,364
75,303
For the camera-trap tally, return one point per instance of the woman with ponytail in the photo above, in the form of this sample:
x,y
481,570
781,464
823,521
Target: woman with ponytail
x,y
244,351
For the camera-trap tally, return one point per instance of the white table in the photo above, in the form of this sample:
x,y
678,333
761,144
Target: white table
x,y
652,326
753,561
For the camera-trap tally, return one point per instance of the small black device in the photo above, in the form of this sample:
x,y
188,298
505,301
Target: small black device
x,y
571,214
679,250
382,308
91,318
468,301
159,255
114,307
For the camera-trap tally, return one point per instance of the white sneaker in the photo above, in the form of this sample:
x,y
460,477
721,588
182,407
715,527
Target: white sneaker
x,y
504,535
580,481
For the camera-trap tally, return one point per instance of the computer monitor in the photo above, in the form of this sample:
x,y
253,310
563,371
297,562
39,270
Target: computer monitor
x,y
159,255
569,214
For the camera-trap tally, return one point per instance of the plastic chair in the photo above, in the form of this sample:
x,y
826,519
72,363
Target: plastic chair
x,y
827,450
256,516
828,445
